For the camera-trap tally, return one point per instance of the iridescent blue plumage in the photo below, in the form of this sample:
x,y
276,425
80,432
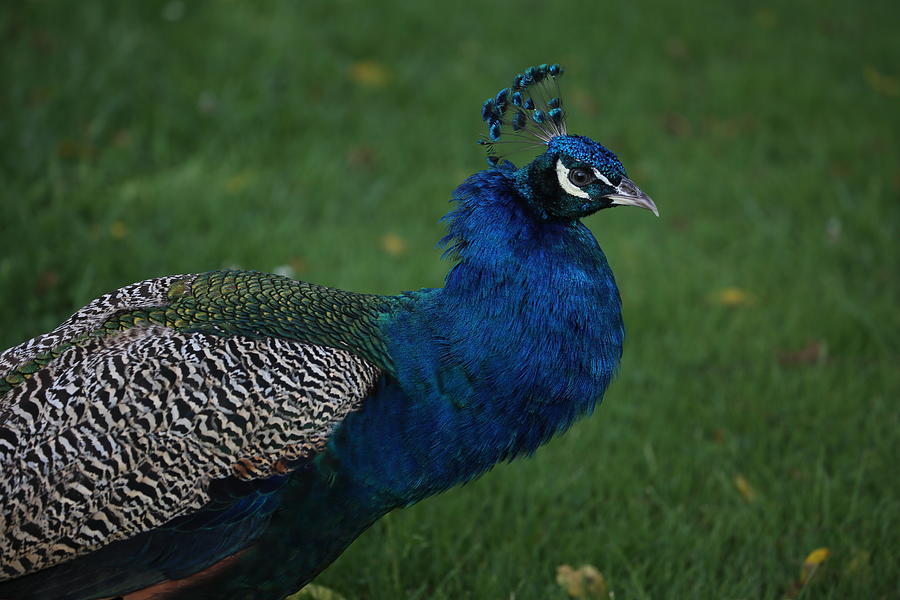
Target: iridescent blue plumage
x,y
522,340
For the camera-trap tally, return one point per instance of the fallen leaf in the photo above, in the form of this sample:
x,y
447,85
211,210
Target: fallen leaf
x,y
812,353
118,230
840,169
798,474
676,48
585,102
744,488
238,182
584,582
833,230
315,592
369,73
38,96
881,83
733,296
679,223
361,156
46,281
766,18
813,562
173,11
122,138
393,244
206,102
72,149
43,41
299,265
677,125
811,566
725,127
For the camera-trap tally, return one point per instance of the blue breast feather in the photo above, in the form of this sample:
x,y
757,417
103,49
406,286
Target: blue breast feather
x,y
522,340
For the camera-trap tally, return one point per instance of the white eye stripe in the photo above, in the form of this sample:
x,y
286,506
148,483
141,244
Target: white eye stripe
x,y
602,178
562,173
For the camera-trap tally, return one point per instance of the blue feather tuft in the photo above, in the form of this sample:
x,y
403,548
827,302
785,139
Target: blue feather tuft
x,y
501,100
519,120
533,82
528,77
487,110
494,129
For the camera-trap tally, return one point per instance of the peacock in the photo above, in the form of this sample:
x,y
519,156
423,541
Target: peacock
x,y
228,434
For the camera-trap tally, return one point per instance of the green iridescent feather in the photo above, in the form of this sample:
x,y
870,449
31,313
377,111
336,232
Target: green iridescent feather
x,y
262,304
252,304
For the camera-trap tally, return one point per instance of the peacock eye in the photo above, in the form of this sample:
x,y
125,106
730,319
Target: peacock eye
x,y
581,176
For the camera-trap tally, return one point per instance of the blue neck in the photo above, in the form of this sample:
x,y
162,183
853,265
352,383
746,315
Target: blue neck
x,y
522,340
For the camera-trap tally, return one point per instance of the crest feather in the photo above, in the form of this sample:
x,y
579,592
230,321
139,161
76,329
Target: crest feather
x,y
530,111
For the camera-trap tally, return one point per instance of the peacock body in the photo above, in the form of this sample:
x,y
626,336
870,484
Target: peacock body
x,y
228,434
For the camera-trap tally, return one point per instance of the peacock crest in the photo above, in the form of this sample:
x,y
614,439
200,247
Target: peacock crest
x,y
530,111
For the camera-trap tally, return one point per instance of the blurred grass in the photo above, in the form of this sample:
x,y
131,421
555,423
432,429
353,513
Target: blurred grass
x,y
143,139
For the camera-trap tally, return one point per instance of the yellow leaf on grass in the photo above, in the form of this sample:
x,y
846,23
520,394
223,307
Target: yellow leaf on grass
x,y
238,182
584,582
118,230
74,149
393,244
315,592
812,564
766,18
881,83
733,296
369,73
744,488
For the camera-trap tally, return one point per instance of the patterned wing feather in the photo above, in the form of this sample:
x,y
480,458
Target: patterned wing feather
x,y
119,433
147,294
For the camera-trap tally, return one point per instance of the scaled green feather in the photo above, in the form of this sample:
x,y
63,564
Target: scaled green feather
x,y
251,304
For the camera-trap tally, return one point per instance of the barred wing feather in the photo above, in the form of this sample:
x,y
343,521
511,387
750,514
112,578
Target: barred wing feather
x,y
123,432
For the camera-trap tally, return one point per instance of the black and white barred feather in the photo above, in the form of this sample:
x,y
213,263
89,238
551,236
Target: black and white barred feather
x,y
122,432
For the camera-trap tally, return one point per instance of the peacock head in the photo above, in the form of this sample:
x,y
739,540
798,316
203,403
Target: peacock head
x,y
574,176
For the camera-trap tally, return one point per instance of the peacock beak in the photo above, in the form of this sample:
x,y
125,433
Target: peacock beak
x,y
628,194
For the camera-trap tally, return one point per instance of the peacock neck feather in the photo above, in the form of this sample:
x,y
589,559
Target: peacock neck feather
x,y
522,340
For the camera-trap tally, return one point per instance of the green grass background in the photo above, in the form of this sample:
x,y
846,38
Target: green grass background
x,y
150,138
